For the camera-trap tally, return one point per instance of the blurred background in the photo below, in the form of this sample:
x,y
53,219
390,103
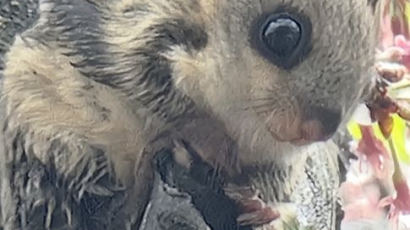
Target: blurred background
x,y
376,192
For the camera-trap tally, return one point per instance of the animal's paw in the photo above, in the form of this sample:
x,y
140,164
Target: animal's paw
x,y
253,210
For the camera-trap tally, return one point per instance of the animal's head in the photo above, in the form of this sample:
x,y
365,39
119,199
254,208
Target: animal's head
x,y
299,67
288,69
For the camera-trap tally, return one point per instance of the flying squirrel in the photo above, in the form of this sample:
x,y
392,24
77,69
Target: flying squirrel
x,y
95,88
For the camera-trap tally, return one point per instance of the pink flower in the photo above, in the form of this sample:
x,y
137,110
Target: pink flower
x,y
402,201
404,45
386,33
400,204
360,195
374,150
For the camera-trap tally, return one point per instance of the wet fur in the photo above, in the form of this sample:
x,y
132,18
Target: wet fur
x,y
97,86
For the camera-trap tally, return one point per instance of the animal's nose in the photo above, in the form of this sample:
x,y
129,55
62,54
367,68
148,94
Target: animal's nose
x,y
320,123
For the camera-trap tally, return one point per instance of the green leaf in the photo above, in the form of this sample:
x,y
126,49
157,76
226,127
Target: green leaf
x,y
407,12
354,130
399,139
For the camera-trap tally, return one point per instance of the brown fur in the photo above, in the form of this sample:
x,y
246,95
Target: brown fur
x,y
54,91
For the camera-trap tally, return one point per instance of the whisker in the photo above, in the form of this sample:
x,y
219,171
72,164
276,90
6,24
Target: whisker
x,y
262,112
264,99
259,105
270,104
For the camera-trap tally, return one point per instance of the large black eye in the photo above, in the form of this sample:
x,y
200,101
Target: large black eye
x,y
283,38
282,35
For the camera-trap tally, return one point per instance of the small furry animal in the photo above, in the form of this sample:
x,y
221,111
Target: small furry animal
x,y
95,88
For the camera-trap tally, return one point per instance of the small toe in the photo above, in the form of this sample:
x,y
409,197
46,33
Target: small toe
x,y
258,217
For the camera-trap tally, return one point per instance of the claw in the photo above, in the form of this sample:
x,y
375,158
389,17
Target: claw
x,y
258,217
255,212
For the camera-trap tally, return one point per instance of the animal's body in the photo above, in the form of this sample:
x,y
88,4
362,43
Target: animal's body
x,y
95,88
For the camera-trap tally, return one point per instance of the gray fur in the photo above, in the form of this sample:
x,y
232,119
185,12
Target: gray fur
x,y
96,87
15,17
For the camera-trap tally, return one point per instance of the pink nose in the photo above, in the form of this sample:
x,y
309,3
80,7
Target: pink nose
x,y
322,125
